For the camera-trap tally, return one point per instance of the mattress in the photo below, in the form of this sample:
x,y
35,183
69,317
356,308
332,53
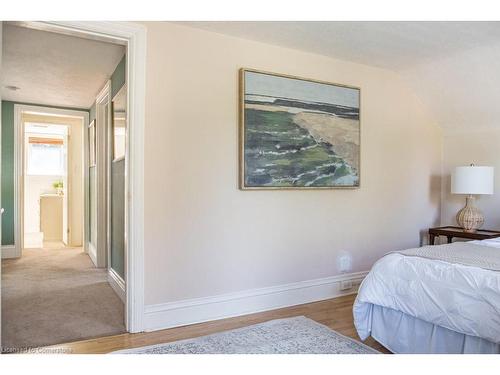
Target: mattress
x,y
456,297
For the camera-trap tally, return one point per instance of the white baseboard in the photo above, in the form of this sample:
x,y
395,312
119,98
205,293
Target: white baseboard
x,y
33,240
117,284
92,253
10,251
197,310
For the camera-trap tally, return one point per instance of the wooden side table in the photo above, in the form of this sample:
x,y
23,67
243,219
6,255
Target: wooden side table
x,y
456,232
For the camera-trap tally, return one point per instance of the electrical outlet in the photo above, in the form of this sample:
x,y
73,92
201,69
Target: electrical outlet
x,y
346,285
356,283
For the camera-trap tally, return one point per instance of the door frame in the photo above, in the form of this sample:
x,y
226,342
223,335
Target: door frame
x,y
1,205
116,281
133,36
20,164
102,181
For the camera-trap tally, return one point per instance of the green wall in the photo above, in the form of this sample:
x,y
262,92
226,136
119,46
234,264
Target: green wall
x,y
8,172
92,111
118,217
118,79
119,76
7,188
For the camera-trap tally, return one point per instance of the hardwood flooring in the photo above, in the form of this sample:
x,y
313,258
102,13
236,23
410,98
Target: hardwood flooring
x,y
335,313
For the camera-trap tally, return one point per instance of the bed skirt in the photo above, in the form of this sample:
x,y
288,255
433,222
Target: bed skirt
x,y
404,334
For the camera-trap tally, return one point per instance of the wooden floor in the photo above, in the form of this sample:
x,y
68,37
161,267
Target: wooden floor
x,y
335,313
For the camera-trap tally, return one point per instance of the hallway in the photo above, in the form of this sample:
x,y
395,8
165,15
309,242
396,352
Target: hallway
x,y
56,295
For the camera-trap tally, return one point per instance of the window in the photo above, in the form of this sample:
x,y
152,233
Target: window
x,y
46,156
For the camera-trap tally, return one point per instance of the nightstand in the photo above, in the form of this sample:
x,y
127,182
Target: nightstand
x,y
451,232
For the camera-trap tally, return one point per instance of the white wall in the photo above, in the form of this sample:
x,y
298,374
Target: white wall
x,y
204,237
480,147
461,88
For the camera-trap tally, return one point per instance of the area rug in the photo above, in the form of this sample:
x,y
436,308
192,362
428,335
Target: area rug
x,y
298,335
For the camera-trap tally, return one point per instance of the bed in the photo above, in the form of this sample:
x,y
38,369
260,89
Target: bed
x,y
434,299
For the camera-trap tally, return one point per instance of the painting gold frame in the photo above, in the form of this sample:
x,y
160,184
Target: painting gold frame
x,y
241,135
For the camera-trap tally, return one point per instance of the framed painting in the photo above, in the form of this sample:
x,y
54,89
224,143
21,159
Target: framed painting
x,y
298,133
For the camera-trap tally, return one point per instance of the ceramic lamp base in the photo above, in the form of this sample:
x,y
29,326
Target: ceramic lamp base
x,y
470,218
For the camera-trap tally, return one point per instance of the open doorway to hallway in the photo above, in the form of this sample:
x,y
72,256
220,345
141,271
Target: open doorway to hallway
x,y
61,175
53,199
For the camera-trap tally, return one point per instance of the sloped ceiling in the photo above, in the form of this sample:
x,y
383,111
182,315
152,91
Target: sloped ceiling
x,y
453,67
55,69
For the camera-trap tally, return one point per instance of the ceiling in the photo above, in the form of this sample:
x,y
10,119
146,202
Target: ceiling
x,y
55,69
451,66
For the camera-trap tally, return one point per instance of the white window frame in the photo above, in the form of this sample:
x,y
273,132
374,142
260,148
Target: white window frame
x,y
28,159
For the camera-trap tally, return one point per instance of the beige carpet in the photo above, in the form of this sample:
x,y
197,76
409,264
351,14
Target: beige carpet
x,y
52,296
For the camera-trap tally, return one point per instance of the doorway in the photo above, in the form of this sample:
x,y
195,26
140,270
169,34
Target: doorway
x,y
52,182
52,292
52,189
133,37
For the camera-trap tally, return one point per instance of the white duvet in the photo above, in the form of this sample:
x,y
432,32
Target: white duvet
x,y
461,298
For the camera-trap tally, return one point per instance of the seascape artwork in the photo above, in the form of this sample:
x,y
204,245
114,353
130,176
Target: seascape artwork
x,y
298,133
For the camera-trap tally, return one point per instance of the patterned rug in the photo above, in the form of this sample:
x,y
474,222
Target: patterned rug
x,y
298,335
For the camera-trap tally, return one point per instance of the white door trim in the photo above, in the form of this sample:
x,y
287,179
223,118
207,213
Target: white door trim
x,y
19,161
117,283
8,251
103,100
134,37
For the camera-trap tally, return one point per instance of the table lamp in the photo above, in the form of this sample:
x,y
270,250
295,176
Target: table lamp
x,y
471,180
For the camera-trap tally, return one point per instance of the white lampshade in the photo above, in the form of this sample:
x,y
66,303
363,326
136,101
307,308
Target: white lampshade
x,y
472,180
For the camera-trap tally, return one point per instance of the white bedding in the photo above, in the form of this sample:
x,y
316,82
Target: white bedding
x,y
461,298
